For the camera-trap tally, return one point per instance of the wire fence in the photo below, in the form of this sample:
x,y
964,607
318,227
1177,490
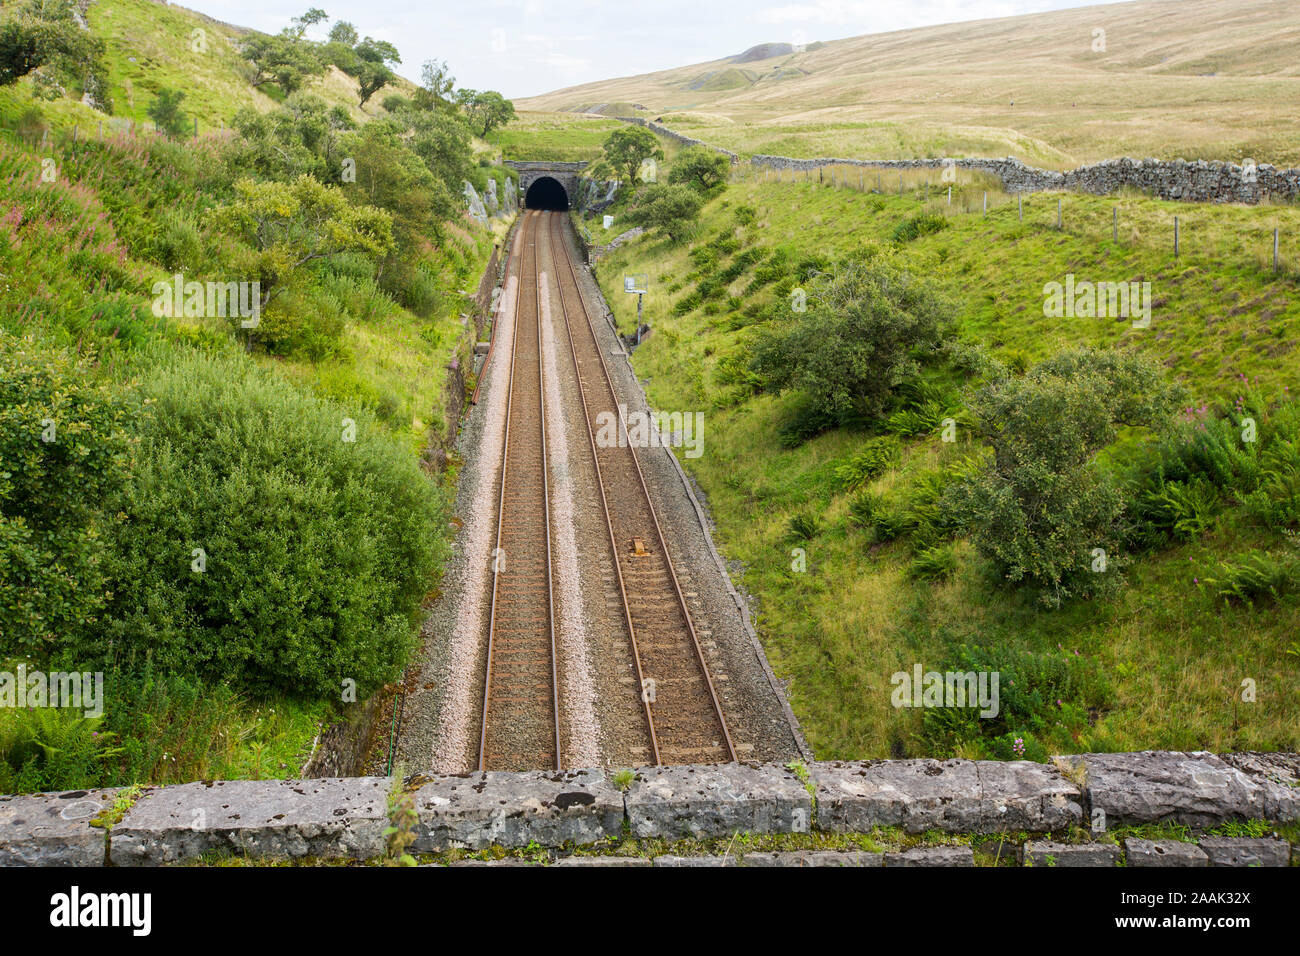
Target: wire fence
x,y
1129,219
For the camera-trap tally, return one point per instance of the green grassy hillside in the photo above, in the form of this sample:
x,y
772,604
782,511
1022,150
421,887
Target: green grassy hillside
x,y
288,453
1159,666
152,46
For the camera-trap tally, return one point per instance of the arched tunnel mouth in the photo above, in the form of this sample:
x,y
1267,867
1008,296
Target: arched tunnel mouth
x,y
546,193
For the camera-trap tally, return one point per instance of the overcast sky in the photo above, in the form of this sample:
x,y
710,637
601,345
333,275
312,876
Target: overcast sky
x,y
526,47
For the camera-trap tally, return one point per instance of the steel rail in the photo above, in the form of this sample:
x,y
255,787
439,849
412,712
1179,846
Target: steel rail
x,y
525,256
645,491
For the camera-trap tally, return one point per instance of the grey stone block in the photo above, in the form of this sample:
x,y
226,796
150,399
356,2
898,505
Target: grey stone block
x,y
675,861
1236,851
587,861
53,829
814,858
1023,795
274,819
932,856
717,800
514,809
1046,853
1164,853
1278,777
960,796
1196,789
494,863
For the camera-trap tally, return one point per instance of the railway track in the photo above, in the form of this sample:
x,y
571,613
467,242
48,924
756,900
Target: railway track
x,y
684,717
520,727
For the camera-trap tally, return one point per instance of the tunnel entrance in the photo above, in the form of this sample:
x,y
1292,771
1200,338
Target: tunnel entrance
x,y
546,193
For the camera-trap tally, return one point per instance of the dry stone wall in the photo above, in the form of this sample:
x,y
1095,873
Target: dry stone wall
x,y
1198,181
345,817
1178,179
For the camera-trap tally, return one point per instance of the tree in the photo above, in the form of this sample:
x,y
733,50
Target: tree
x,y
865,330
392,177
167,114
44,36
1041,510
442,140
344,33
486,110
670,209
376,57
300,136
63,457
628,147
313,16
437,85
293,224
701,168
284,60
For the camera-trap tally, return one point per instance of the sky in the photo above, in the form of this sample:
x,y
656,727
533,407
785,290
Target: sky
x,y
526,47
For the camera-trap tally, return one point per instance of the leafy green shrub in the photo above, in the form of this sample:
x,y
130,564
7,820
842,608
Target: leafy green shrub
x,y
687,303
865,332
863,508
260,545
307,321
1040,508
1037,691
1181,509
921,225
52,749
933,563
803,527
869,463
63,456
1257,576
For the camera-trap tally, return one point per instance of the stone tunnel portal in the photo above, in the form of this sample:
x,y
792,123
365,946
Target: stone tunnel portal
x,y
546,193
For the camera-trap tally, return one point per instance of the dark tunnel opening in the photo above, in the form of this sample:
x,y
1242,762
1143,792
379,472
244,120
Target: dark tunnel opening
x,y
547,193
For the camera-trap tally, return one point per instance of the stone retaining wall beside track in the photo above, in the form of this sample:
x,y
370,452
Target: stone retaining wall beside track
x,y
346,817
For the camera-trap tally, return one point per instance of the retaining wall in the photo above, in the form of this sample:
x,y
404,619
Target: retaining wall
x,y
346,817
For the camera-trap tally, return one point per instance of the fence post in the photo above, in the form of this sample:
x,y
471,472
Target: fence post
x,y
900,184
1020,206
949,195
1175,237
101,131
1114,224
1058,212
1275,250
986,204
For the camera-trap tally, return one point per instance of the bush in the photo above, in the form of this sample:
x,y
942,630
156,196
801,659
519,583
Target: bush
x,y
865,331
803,527
1037,691
1257,576
1040,508
868,464
672,210
933,563
63,456
262,548
921,225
